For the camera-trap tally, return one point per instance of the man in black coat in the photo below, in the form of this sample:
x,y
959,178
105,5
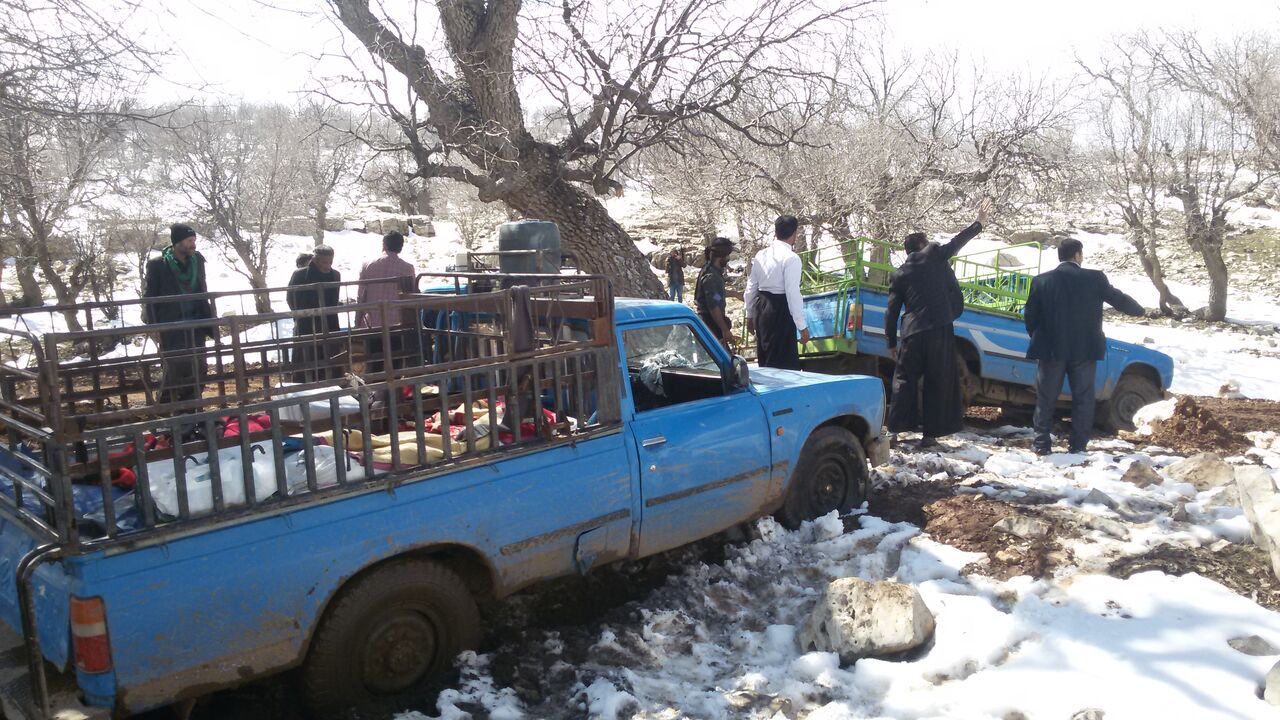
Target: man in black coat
x,y
925,348
316,347
177,272
1064,319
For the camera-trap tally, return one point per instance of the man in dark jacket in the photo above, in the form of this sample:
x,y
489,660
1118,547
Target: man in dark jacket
x,y
179,271
316,348
709,292
926,287
1064,319
675,276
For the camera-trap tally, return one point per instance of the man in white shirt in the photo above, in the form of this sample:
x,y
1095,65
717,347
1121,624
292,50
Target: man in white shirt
x,y
775,309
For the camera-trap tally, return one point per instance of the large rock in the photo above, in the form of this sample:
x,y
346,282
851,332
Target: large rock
x,y
1271,693
1261,504
1205,471
856,618
1027,528
1141,473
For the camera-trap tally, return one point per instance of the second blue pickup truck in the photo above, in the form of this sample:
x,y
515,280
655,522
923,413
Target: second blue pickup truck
x,y
344,528
846,298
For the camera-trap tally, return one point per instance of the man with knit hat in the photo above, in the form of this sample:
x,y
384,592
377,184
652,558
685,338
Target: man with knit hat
x,y
179,271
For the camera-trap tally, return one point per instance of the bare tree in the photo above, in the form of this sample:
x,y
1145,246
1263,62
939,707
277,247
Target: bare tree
x,y
48,176
239,166
476,220
625,77
1132,121
328,155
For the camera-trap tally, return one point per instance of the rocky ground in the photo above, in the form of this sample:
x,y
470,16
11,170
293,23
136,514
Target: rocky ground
x,y
1117,572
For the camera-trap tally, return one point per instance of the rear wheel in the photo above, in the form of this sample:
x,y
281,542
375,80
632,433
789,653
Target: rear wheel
x,y
394,628
1133,392
831,475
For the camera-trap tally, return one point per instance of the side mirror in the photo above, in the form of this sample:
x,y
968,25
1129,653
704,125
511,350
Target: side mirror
x,y
740,376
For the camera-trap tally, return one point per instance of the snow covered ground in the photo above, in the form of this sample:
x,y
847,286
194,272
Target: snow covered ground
x,y
719,640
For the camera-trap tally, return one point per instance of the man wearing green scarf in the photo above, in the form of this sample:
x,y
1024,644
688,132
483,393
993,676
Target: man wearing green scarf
x,y
179,271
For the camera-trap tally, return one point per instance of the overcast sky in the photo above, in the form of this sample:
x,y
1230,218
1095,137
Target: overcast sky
x,y
244,49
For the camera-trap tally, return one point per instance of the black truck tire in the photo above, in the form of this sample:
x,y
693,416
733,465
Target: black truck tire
x,y
831,475
1133,392
389,631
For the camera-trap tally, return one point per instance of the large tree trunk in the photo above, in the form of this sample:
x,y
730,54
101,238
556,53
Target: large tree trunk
x,y
586,229
32,294
1218,281
322,217
1170,305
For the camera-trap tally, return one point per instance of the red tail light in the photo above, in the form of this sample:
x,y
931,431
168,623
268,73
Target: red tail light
x,y
89,634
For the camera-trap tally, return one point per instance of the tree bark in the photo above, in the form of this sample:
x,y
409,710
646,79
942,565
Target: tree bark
x,y
32,294
1218,281
322,217
1170,304
586,229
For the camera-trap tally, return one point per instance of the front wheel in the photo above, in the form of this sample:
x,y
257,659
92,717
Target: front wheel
x,y
1133,392
393,628
830,475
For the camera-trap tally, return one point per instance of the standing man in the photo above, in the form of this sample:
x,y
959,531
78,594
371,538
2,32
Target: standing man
x,y
1064,319
709,293
675,276
383,280
775,309
179,271
312,356
926,286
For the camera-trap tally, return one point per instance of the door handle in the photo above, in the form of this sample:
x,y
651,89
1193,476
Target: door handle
x,y
654,441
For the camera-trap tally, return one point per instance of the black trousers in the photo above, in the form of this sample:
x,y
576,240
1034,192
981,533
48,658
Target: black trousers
x,y
927,358
184,366
776,343
1049,375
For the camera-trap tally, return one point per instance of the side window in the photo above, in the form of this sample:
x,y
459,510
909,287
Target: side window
x,y
669,364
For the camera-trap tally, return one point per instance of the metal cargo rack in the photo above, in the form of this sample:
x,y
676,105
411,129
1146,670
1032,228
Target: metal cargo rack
x,y
532,364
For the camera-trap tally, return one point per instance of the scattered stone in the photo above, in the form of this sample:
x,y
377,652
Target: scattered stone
x,y
1008,557
1090,714
1261,505
1180,513
1107,526
1097,497
1272,692
1205,471
1141,473
1027,528
856,619
1228,496
1253,645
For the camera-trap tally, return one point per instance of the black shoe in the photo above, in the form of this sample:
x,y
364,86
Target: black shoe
x,y
928,442
1043,451
1077,451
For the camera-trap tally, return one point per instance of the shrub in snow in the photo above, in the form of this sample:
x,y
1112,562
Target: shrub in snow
x,y
856,619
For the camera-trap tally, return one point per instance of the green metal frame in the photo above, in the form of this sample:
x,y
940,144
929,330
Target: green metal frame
x,y
985,286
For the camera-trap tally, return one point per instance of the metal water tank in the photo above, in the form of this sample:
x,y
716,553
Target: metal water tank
x,y
529,235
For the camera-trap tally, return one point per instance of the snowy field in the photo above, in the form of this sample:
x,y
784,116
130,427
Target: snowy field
x,y
720,640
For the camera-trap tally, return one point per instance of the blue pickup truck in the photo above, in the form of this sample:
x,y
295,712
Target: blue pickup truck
x,y
846,297
342,520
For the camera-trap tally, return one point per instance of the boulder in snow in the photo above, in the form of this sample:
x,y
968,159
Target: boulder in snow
x,y
1261,504
1205,471
1253,645
1141,473
1090,714
1271,693
1097,497
856,618
1027,528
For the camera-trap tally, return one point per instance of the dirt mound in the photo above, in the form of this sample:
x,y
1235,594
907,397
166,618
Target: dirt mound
x,y
1244,569
1194,427
965,522
906,503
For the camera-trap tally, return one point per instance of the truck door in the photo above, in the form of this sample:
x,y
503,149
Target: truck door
x,y
704,452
